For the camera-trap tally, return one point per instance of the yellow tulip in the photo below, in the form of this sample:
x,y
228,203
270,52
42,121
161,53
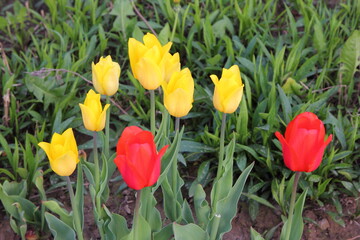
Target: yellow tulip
x,y
62,152
150,62
228,90
178,93
93,114
105,76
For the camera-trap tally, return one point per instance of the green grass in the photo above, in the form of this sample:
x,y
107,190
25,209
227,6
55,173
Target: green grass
x,y
294,56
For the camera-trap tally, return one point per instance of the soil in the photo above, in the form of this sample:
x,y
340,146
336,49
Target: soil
x,y
318,223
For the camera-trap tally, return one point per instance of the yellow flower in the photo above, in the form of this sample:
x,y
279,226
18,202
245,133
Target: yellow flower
x,y
93,114
105,76
150,62
228,90
62,152
178,93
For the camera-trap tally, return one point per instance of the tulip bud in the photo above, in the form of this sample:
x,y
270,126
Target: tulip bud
x,y
178,93
93,115
150,62
137,159
228,90
62,152
304,143
105,76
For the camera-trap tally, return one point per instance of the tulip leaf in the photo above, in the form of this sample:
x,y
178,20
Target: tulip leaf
x,y
165,233
187,214
148,209
350,57
226,206
58,228
202,208
117,226
189,231
79,195
255,235
297,225
54,206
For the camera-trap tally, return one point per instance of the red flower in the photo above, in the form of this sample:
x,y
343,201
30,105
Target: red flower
x,y
304,143
137,159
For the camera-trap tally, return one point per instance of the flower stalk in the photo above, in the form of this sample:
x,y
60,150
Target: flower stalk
x,y
97,170
77,223
292,205
152,112
107,130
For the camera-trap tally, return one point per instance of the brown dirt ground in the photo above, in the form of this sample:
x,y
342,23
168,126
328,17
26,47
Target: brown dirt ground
x,y
318,224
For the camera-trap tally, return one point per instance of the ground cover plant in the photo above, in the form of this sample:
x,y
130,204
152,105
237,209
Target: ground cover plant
x,y
218,145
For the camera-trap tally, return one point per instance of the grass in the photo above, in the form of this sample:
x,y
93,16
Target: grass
x,y
294,56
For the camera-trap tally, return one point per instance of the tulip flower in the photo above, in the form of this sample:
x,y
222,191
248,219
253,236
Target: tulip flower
x,y
105,76
94,116
178,93
150,62
228,90
62,152
137,159
304,142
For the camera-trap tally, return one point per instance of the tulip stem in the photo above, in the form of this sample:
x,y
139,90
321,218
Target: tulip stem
x,y
136,214
107,130
152,112
77,223
222,147
221,159
292,205
97,171
177,124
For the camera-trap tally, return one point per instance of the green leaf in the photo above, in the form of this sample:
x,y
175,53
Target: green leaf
x,y
54,206
255,235
350,57
297,225
202,208
58,228
226,207
117,225
189,231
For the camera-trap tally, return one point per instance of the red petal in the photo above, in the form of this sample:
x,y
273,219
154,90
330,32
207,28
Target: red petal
x,y
127,134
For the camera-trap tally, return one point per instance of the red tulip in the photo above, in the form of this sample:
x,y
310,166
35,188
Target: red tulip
x,y
304,143
137,159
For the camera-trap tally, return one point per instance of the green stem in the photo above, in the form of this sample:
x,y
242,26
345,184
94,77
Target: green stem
x,y
177,124
222,147
292,205
174,171
215,226
97,172
175,23
77,223
107,130
136,214
152,111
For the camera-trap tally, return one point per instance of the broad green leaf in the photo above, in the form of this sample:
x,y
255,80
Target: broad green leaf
x,y
189,231
59,229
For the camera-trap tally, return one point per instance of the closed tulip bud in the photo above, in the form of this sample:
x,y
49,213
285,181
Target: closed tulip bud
x,y
94,116
137,159
304,143
105,76
150,62
62,152
178,93
228,90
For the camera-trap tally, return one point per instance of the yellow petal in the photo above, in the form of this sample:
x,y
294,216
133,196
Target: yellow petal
x,y
102,119
96,78
64,165
178,103
89,117
148,73
46,147
136,51
232,102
